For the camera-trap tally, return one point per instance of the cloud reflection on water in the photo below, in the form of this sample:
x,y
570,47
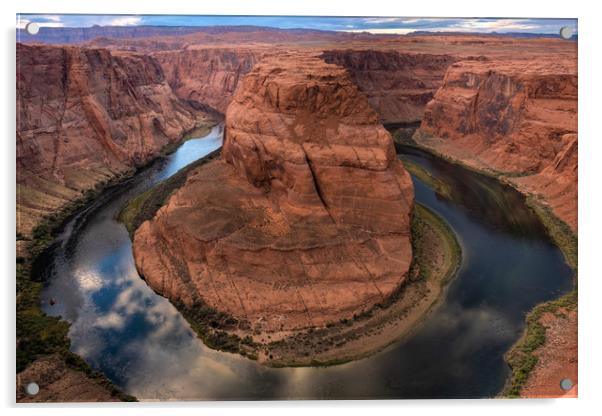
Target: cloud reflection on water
x,y
142,343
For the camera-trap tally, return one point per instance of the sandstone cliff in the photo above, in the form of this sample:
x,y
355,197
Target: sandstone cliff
x,y
399,75
515,118
84,116
207,75
306,218
398,85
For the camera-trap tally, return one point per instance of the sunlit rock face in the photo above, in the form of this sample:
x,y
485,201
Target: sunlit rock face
x,y
84,116
207,75
304,220
515,117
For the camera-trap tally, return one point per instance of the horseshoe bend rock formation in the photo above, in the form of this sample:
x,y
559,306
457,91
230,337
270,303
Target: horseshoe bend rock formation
x,y
304,220
84,116
517,118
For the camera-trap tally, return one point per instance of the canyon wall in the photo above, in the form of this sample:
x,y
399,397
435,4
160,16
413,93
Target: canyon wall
x,y
304,220
398,85
207,75
85,116
517,119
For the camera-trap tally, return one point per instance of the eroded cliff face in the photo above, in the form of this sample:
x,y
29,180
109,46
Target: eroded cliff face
x,y
207,75
514,118
85,116
306,218
398,85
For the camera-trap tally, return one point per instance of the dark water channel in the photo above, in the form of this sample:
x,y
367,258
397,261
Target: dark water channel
x,y
142,343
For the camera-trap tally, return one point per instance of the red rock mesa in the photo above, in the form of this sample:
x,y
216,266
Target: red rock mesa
x,y
304,220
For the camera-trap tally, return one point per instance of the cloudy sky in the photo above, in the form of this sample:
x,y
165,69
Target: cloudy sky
x,y
400,25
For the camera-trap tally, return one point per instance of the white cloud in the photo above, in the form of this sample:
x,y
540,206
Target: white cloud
x,y
471,25
88,280
53,17
377,20
448,25
461,25
83,20
21,23
381,31
126,21
423,20
110,320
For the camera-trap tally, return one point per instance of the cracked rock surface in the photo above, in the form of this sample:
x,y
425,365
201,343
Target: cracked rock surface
x,y
304,220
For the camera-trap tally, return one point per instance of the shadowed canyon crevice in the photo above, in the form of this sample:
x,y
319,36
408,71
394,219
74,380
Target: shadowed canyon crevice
x,y
207,75
398,85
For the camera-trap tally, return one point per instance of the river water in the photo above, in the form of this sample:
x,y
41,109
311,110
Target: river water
x,y
142,343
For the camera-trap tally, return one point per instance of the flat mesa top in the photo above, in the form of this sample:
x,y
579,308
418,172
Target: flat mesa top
x,y
299,67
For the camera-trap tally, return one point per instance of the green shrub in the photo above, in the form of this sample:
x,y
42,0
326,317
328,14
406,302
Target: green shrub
x,y
521,357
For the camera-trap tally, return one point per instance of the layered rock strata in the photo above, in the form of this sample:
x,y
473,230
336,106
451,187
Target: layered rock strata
x,y
514,118
306,218
207,75
397,85
85,116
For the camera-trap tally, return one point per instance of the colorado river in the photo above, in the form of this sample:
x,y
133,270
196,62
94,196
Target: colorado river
x,y
142,343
